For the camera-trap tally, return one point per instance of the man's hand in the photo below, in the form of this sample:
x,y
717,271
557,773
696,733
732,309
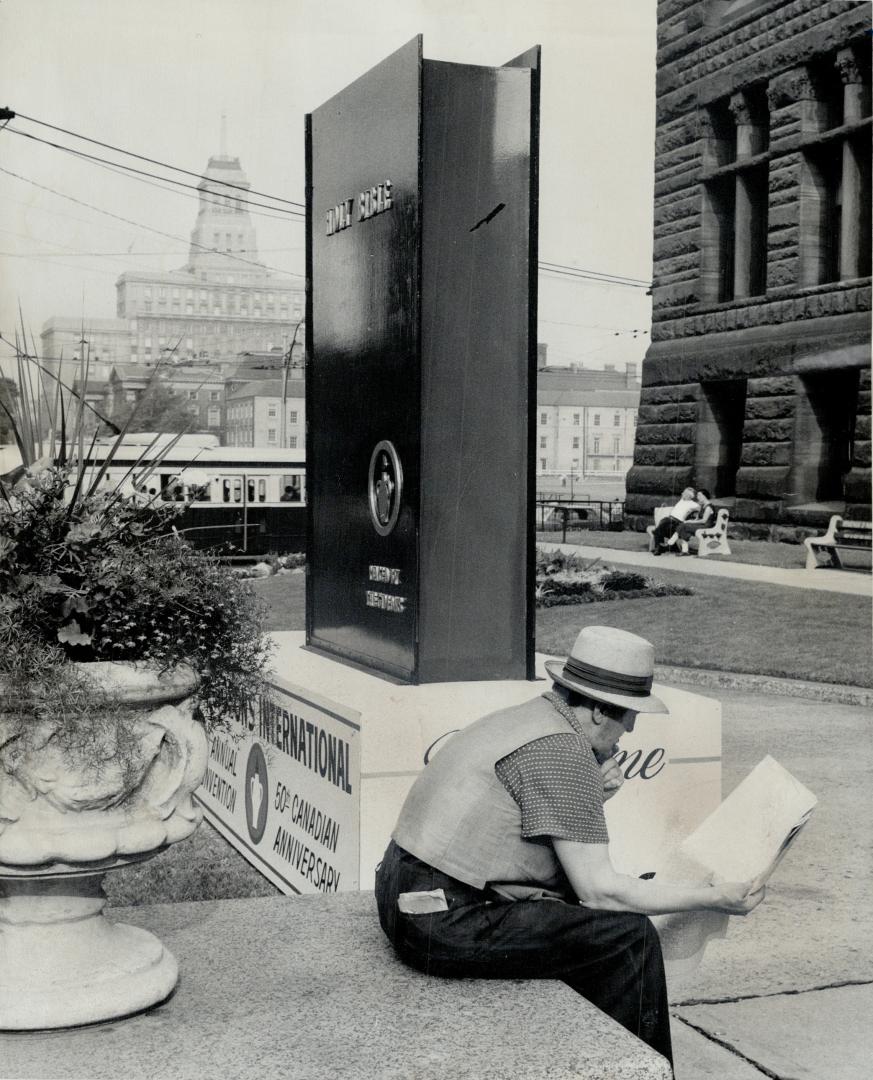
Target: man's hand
x,y
738,898
613,777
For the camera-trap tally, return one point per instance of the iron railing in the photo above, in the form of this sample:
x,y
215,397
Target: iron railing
x,y
560,513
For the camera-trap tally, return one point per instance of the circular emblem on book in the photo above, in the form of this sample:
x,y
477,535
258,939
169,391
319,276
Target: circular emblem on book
x,y
385,486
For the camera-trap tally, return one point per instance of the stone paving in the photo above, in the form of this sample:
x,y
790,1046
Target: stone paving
x,y
788,992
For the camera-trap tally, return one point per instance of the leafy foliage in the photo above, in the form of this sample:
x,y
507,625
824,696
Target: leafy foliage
x,y
591,596
567,578
8,394
159,408
106,578
90,570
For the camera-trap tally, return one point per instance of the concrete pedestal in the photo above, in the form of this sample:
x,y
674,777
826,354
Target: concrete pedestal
x,y
65,964
672,765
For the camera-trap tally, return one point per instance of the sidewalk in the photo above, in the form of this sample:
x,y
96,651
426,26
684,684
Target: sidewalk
x,y
849,582
788,992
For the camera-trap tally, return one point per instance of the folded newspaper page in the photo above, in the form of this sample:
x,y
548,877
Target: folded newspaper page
x,y
743,839
746,836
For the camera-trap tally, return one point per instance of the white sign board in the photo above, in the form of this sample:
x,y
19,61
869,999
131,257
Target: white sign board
x,y
283,787
310,799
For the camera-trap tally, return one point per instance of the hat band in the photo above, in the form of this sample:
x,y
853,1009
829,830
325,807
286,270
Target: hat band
x,y
604,679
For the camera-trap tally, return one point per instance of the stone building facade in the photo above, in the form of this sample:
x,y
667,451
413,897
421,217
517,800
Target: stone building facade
x,y
254,413
757,381
104,341
586,420
201,388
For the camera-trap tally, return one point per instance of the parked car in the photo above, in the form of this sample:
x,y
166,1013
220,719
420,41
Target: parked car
x,y
582,515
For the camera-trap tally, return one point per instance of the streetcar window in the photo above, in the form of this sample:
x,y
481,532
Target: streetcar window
x,y
250,491
291,488
262,491
171,488
231,489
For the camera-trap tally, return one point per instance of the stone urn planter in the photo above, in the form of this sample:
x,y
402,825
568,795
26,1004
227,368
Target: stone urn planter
x,y
62,827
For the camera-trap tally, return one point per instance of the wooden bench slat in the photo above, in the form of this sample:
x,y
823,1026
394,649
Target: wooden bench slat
x,y
855,537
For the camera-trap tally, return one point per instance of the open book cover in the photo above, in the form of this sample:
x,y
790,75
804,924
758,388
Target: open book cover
x,y
743,839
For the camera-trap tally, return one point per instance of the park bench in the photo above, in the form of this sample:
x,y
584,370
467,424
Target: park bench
x,y
711,539
845,545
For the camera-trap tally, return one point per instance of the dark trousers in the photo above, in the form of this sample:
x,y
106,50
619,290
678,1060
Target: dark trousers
x,y
665,529
611,958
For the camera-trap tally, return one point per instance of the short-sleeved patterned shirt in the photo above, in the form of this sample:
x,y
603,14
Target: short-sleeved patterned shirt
x,y
557,784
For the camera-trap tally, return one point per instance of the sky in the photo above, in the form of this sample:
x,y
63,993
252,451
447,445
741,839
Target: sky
x,y
155,76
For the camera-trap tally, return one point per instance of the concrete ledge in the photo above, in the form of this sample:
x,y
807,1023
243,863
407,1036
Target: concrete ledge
x,y
308,989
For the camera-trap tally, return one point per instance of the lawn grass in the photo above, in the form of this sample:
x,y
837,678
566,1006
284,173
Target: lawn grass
x,y
731,625
756,552
203,867
285,597
727,625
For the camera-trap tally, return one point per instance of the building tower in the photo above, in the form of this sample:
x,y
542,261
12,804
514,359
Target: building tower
x,y
224,301
224,226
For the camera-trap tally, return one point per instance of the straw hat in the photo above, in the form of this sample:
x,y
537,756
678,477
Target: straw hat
x,y
610,665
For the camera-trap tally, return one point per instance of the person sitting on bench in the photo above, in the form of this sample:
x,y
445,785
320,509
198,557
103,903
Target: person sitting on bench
x,y
499,865
664,534
703,519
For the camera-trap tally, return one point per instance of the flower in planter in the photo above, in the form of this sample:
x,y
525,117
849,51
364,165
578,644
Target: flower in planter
x,y
119,645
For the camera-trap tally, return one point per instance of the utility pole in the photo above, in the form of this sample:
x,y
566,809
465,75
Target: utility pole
x,y
286,367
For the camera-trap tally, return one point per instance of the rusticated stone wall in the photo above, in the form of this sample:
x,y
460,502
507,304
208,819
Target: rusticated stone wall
x,y
781,343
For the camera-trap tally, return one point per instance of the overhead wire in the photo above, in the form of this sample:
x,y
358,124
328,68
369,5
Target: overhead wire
x,y
591,279
160,185
152,161
139,224
237,196
599,274
545,266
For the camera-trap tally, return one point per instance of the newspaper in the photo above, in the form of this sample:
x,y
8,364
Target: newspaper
x,y
743,839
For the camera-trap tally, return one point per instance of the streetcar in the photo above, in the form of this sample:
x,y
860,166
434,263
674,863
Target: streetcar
x,y
238,501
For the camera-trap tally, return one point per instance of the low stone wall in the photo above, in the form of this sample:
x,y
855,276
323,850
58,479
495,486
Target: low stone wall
x,y
307,988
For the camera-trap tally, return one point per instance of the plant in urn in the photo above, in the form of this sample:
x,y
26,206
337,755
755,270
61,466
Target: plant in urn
x,y
121,647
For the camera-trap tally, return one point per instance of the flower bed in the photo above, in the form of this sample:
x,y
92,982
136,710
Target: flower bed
x,y
295,563
569,579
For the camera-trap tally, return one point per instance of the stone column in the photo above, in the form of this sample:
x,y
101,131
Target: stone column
x,y
710,223
749,143
855,105
793,201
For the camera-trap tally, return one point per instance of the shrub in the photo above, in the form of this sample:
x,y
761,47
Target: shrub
x,y
570,579
624,581
101,576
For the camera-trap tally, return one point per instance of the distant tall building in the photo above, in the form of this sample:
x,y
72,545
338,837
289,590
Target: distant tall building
x,y
223,302
106,341
586,422
757,381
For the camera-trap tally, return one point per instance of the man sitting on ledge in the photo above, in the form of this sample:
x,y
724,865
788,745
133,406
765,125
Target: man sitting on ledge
x,y
499,865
